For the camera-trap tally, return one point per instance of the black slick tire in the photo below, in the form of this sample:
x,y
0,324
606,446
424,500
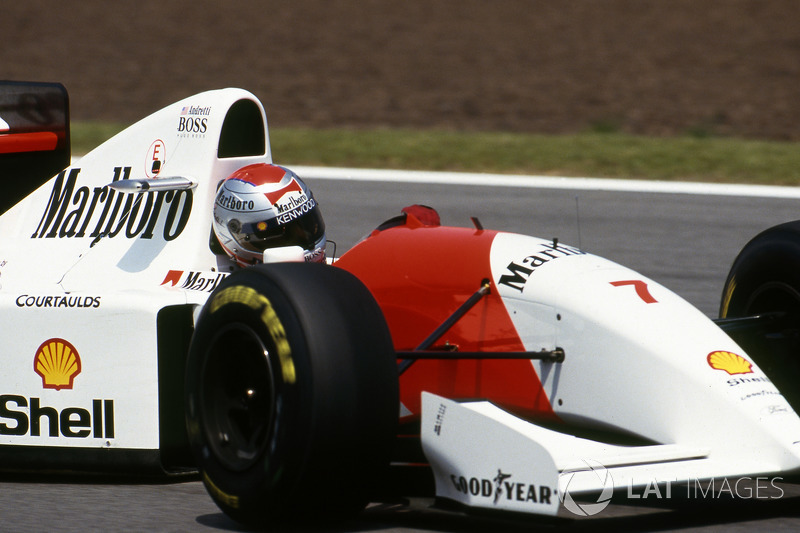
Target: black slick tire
x,y
291,394
764,280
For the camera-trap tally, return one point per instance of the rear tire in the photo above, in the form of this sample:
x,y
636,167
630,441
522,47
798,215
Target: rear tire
x,y
292,394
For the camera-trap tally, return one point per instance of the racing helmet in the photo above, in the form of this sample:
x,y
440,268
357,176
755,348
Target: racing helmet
x,y
265,206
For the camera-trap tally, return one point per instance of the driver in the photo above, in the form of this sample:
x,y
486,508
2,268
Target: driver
x,y
263,207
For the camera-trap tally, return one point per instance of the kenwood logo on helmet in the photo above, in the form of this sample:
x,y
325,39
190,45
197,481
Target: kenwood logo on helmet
x,y
287,217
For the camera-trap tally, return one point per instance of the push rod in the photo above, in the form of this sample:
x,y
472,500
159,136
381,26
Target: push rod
x,y
447,324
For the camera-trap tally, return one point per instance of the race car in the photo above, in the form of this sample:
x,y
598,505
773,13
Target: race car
x,y
494,371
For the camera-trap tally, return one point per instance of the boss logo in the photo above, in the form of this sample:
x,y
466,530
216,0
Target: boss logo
x,y
192,125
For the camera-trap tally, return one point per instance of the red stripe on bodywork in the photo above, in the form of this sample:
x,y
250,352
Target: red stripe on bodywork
x,y
172,277
42,141
420,275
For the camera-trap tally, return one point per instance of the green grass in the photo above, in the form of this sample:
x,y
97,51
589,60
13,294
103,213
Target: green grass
x,y
84,136
597,154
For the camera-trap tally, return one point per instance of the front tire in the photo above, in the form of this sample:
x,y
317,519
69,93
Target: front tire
x,y
765,279
292,394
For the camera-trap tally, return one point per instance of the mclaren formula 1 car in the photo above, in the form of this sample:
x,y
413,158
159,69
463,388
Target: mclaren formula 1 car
x,y
491,370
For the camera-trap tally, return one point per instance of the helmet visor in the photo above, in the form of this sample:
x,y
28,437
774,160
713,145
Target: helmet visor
x,y
304,231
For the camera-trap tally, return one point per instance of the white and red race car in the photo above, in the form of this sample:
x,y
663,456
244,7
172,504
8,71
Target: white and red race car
x,y
495,371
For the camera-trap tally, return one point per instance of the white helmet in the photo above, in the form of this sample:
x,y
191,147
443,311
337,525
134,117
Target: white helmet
x,y
265,206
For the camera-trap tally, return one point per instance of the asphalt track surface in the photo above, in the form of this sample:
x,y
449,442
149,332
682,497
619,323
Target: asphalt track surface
x,y
684,241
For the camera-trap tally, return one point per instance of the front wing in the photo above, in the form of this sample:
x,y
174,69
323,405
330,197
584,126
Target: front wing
x,y
486,458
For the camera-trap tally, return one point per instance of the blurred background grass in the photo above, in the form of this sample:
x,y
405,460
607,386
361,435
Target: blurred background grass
x,y
592,153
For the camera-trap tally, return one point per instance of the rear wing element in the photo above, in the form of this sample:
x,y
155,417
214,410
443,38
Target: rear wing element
x,y
34,137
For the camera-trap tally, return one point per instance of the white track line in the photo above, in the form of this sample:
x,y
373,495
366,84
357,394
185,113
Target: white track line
x,y
545,182
542,182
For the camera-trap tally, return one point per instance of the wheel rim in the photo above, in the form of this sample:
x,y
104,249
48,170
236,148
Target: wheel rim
x,y
774,297
238,397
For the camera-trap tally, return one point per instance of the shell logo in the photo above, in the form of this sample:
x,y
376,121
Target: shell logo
x,y
729,362
57,362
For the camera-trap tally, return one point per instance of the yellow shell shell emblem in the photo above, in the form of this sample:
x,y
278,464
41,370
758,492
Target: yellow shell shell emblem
x,y
57,362
729,362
